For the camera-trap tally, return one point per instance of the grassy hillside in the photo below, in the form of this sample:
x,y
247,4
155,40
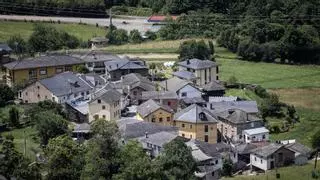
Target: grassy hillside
x,y
25,29
286,173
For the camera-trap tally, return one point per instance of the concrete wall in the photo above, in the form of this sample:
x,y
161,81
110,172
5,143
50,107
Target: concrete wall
x,y
204,76
34,93
197,131
255,137
259,162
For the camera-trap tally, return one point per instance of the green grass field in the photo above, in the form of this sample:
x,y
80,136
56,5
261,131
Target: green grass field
x,y
25,29
286,173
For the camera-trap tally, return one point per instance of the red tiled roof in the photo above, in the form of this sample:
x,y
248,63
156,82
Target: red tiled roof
x,y
160,18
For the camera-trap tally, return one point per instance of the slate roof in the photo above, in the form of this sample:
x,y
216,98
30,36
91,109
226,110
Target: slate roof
x,y
247,106
136,80
184,75
160,138
97,56
222,98
63,84
133,128
267,150
213,86
193,100
299,148
256,131
125,63
44,61
93,79
106,94
158,95
192,114
151,106
5,47
174,84
245,148
197,64
238,116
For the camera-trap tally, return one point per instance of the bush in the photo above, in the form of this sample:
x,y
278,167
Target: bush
x,y
151,35
135,36
82,69
131,11
194,49
17,44
261,92
232,80
117,36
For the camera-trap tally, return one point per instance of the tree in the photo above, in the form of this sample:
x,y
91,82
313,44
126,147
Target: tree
x,y
211,47
176,161
151,35
42,106
14,117
134,163
315,142
17,44
117,36
135,36
101,159
65,158
194,49
6,94
82,69
232,80
13,164
49,125
227,167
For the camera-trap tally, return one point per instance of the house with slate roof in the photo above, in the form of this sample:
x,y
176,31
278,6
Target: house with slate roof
x,y
134,84
115,69
183,88
302,152
271,156
213,88
196,122
200,72
152,111
256,135
5,51
30,70
61,88
233,122
105,104
168,98
250,107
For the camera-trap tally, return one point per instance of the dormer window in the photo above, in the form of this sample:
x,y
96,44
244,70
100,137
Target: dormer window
x,y
99,101
202,116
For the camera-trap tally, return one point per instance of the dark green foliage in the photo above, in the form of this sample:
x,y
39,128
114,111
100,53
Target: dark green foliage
x,y
6,94
49,125
46,38
211,47
151,35
65,158
101,158
227,167
17,44
117,36
13,164
14,117
232,80
135,36
315,141
82,69
176,161
43,106
194,49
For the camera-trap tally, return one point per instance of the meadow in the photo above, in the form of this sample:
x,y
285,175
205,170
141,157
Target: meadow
x,y
25,29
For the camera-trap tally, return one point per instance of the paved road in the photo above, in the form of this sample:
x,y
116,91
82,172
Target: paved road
x,y
133,22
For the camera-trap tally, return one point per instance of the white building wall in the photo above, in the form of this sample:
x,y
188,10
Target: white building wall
x,y
255,137
190,91
259,162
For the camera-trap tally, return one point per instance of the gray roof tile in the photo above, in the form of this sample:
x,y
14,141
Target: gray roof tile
x,y
299,148
213,86
136,80
247,106
197,64
160,138
266,151
151,106
174,84
184,75
238,116
5,47
125,64
159,95
192,114
106,94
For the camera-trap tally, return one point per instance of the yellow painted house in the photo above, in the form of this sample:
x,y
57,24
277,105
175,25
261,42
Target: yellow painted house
x,y
152,111
32,69
196,122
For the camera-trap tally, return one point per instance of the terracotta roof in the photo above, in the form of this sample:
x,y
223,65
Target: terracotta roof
x,y
156,18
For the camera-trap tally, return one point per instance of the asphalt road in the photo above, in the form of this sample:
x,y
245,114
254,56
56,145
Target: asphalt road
x,y
138,23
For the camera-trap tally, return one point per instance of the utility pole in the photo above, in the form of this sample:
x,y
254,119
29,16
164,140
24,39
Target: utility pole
x,y
110,16
25,143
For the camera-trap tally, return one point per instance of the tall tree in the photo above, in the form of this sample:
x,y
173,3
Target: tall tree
x,y
65,158
176,161
14,117
194,49
6,94
102,155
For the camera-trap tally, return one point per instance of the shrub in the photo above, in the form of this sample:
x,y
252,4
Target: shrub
x,y
135,36
117,36
232,80
151,35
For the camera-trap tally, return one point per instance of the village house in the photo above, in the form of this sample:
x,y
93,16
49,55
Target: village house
x,y
183,88
152,111
213,88
61,88
115,69
244,150
302,153
256,135
168,98
134,84
98,42
185,102
271,156
105,104
217,99
196,122
249,107
232,123
29,70
5,51
201,72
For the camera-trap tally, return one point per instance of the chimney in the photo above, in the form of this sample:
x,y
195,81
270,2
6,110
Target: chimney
x,y
146,133
188,61
166,85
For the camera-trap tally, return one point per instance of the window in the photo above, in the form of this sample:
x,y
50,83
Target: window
x,y
169,103
206,138
59,69
104,116
217,69
174,123
39,96
184,94
182,125
168,119
182,135
46,97
217,161
255,159
68,68
264,136
252,124
261,161
38,87
206,129
103,107
205,75
26,93
159,148
43,71
160,119
135,93
153,120
88,92
190,126
212,174
217,77
99,101
190,136
33,74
